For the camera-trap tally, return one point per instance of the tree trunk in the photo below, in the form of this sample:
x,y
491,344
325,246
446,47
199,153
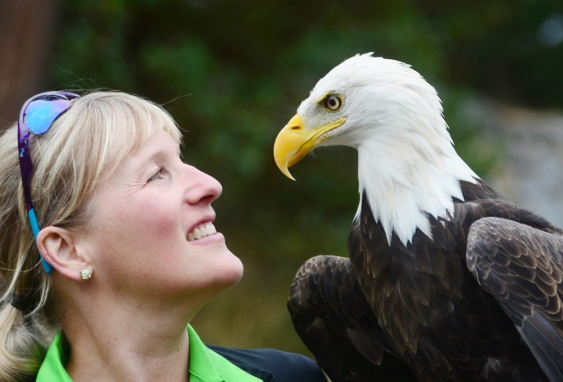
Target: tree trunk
x,y
25,42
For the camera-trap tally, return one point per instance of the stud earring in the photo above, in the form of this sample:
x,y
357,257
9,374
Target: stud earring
x,y
85,274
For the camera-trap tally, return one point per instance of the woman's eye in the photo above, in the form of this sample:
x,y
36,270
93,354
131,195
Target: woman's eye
x,y
333,102
157,175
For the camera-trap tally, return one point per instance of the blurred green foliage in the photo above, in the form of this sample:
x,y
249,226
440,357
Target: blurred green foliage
x,y
233,72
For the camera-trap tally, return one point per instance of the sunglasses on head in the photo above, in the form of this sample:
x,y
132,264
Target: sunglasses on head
x,y
37,115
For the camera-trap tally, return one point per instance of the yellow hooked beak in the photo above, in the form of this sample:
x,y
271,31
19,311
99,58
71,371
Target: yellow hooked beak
x,y
293,142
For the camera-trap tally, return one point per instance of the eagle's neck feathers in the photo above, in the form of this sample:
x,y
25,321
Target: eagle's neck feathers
x,y
409,170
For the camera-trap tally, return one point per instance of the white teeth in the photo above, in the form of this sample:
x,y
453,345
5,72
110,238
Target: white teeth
x,y
197,233
202,231
211,229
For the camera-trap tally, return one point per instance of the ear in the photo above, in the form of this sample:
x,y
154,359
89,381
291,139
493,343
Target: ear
x,y
58,247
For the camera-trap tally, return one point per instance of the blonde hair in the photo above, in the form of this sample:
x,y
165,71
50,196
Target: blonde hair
x,y
84,145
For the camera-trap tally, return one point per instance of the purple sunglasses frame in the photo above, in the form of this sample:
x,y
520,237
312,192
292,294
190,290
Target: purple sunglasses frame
x,y
61,103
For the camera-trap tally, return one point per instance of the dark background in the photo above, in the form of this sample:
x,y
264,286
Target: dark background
x,y
233,72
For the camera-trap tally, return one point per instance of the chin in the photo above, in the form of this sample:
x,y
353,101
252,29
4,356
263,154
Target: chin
x,y
235,271
227,269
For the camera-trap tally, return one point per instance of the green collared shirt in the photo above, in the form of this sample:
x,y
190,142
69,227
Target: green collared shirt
x,y
205,364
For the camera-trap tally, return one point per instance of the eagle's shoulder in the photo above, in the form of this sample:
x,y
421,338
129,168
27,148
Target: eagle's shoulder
x,y
482,201
522,268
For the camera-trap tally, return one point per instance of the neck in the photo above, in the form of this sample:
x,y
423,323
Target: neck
x,y
405,186
131,343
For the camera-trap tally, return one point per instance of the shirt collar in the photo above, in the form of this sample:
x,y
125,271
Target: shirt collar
x,y
52,368
202,366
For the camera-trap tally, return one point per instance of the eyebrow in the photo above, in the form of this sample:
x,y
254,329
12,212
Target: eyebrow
x,y
153,156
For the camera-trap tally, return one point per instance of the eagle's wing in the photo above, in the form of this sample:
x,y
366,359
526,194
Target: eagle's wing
x,y
522,268
334,320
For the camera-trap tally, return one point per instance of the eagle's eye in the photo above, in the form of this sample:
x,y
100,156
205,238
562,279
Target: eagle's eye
x,y
333,102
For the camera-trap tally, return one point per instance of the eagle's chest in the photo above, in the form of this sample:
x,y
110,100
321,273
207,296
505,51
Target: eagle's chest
x,y
410,287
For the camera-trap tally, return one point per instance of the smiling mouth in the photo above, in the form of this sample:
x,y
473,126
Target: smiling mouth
x,y
201,231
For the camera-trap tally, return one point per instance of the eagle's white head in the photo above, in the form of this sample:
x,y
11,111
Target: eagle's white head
x,y
407,166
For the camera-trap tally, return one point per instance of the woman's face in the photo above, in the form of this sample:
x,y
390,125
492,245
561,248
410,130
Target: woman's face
x,y
145,221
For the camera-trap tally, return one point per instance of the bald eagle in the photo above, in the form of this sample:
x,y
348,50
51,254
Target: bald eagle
x,y
446,279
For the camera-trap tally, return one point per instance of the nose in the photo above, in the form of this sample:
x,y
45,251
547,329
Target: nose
x,y
202,188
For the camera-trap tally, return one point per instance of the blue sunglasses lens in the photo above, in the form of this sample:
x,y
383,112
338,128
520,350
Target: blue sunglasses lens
x,y
40,114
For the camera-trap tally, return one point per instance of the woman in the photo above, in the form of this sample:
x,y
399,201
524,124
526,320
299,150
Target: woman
x,y
109,250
